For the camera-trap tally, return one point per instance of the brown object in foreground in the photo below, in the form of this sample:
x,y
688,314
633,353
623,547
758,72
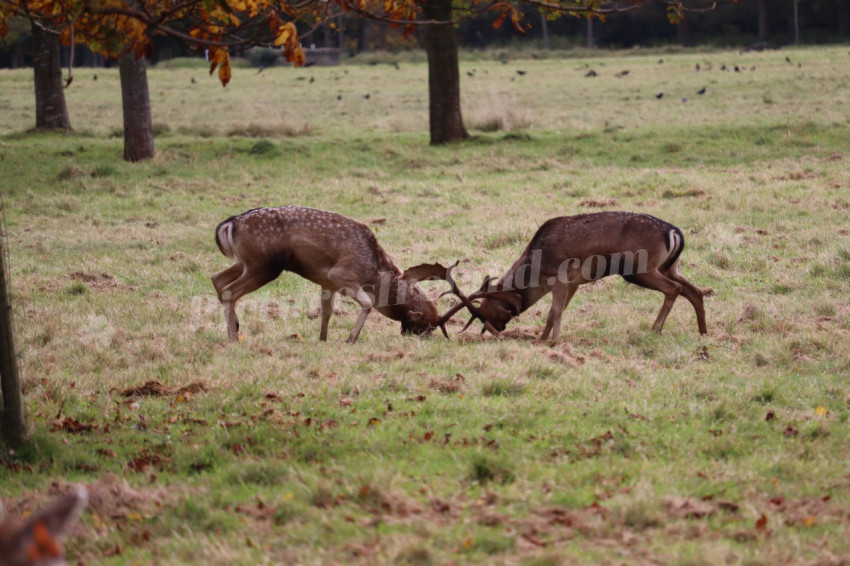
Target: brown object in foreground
x,y
569,251
35,541
329,249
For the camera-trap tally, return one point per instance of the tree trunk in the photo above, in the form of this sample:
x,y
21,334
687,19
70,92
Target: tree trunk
x,y
443,74
136,103
591,41
12,428
796,22
50,108
683,32
763,31
544,28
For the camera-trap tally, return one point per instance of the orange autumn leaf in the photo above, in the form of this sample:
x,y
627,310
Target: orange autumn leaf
x,y
224,73
220,57
284,34
761,524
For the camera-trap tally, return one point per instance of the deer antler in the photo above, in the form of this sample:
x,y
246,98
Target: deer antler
x,y
467,302
435,272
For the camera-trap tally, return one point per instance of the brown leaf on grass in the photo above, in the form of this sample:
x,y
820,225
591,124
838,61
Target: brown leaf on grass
x,y
688,507
728,506
804,510
70,425
145,460
386,357
593,203
492,519
790,431
379,501
566,356
558,516
95,281
535,541
771,416
258,511
761,524
155,388
441,506
453,386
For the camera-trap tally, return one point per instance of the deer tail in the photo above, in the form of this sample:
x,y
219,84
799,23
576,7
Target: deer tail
x,y
675,246
224,237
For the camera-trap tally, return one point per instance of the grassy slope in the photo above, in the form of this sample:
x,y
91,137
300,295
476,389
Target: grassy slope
x,y
614,445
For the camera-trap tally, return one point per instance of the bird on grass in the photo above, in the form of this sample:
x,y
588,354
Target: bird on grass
x,y
659,95
701,91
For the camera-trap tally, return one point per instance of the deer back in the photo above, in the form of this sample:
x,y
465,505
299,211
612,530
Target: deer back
x,y
306,241
589,237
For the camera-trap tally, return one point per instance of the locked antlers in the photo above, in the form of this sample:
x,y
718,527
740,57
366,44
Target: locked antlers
x,y
486,289
438,272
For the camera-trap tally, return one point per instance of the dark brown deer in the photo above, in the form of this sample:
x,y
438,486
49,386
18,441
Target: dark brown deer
x,y
333,251
569,251
35,541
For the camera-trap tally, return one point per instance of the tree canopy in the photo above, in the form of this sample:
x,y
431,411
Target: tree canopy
x,y
111,27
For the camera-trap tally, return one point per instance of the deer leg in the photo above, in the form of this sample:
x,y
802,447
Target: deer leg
x,y
236,289
659,282
327,311
561,297
692,294
220,281
366,305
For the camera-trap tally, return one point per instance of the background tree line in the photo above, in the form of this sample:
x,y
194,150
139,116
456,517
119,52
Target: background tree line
x,y
744,23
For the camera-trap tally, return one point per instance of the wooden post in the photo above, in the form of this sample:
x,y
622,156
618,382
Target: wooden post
x,y
12,428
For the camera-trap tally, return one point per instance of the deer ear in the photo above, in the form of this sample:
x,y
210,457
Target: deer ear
x,y
428,271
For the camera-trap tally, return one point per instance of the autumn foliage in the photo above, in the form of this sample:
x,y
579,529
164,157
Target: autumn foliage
x,y
112,27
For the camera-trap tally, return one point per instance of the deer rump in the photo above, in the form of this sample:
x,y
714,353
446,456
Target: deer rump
x,y
569,251
331,250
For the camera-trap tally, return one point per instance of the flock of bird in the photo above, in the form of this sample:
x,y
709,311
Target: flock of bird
x,y
590,73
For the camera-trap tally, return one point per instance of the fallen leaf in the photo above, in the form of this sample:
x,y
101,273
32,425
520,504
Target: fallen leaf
x,y
71,425
761,524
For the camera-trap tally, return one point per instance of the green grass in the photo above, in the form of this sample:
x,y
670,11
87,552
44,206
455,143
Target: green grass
x,y
613,445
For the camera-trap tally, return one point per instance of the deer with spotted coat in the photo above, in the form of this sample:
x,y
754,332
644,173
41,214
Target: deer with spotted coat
x,y
569,251
331,250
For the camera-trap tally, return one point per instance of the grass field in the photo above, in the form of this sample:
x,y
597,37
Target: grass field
x,y
612,446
